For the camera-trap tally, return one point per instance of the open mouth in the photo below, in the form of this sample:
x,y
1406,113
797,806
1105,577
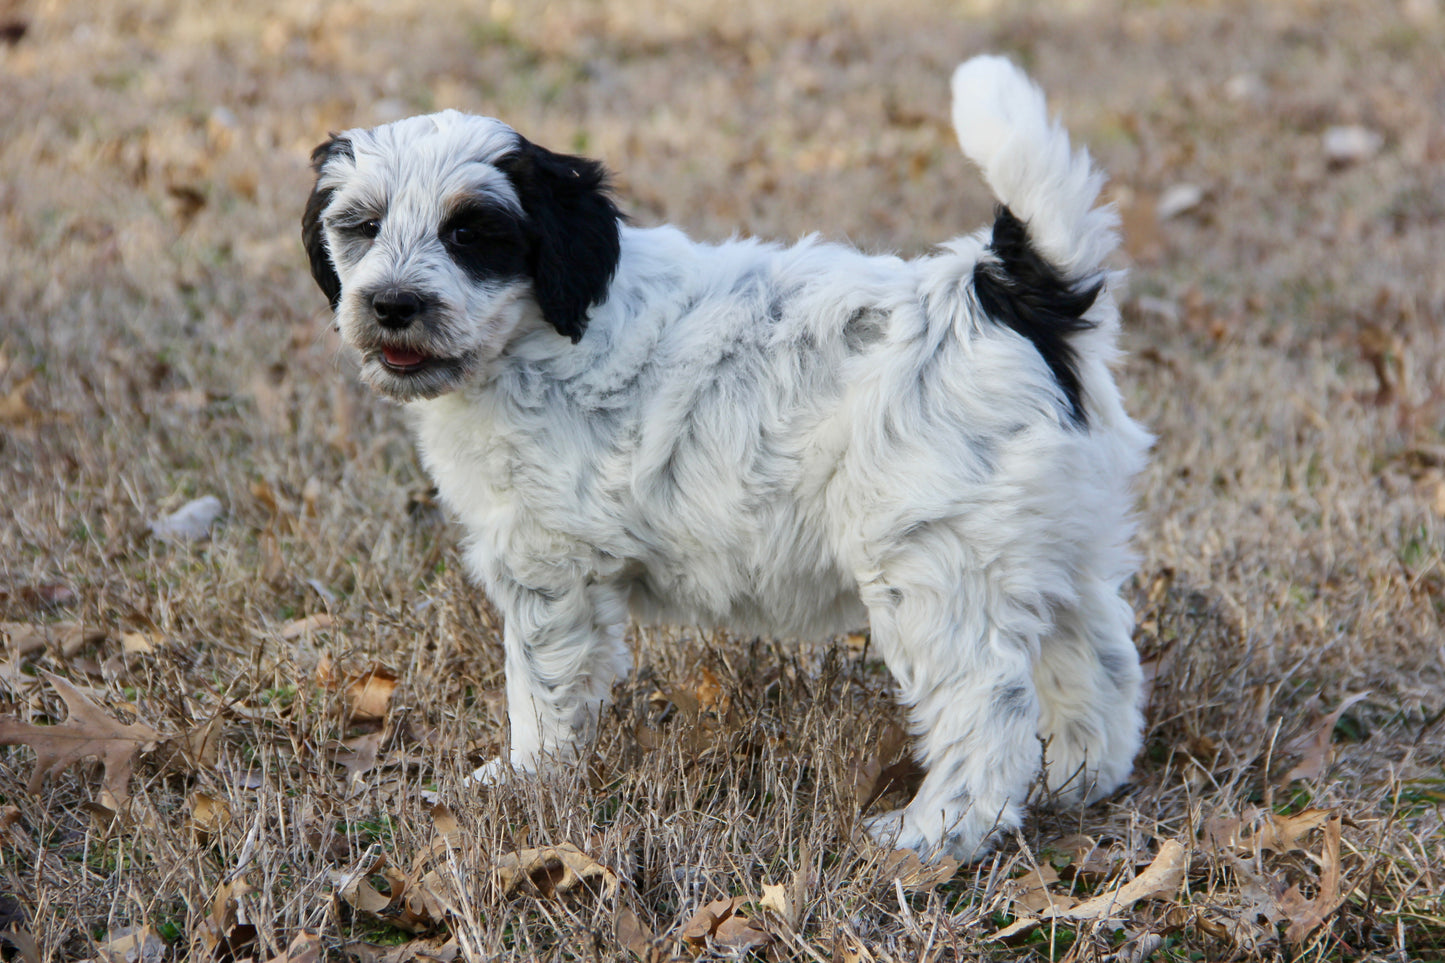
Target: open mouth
x,y
405,360
407,374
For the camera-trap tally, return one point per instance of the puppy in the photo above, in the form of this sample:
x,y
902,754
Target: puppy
x,y
779,440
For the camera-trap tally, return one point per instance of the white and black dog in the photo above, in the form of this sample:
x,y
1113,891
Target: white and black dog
x,y
779,440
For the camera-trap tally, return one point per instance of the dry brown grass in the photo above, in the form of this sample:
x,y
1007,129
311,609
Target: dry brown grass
x,y
160,339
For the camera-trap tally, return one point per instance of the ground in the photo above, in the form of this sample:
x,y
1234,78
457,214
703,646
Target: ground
x,y
306,687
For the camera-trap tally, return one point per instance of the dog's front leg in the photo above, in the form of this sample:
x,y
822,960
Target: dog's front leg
x,y
564,650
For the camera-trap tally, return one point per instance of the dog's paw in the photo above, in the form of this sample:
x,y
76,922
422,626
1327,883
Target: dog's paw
x,y
493,773
954,833
888,830
517,765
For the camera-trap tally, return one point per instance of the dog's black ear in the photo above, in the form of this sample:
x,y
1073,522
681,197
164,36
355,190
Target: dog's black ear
x,y
573,228
312,234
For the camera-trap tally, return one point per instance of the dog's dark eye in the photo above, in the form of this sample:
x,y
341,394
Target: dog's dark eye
x,y
463,236
368,229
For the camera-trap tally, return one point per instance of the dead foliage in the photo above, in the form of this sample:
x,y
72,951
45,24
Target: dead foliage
x,y
87,732
224,579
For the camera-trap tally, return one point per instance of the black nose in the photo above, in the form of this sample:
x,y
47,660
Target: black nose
x,y
396,309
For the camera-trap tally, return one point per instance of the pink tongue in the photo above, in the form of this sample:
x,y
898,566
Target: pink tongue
x,y
401,358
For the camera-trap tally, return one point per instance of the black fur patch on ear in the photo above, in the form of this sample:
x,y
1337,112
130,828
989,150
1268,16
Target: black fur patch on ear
x,y
1020,289
572,227
312,234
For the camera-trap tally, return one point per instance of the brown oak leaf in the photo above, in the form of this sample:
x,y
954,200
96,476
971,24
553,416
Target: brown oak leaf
x,y
724,924
368,695
913,874
552,870
88,731
305,948
413,902
1306,914
1159,880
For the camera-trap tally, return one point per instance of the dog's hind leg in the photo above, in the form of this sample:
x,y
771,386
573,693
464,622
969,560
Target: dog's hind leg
x,y
1089,684
967,677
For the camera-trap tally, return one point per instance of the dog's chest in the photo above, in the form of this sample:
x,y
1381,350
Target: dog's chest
x,y
473,464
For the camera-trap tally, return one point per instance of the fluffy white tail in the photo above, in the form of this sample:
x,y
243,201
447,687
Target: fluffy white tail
x,y
1003,126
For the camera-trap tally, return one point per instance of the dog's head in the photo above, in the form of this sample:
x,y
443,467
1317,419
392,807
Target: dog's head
x,y
437,237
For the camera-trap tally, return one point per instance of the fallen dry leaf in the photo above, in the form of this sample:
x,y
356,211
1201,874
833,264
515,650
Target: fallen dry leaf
x,y
368,696
355,888
15,410
913,874
74,636
778,900
88,730
305,948
326,674
552,871
1306,913
417,904
1314,743
358,756
139,642
710,694
23,943
23,637
227,931
68,637
1267,899
741,933
1284,833
1161,878
633,936
302,627
872,778
209,814
262,491
721,923
1222,833
140,945
1029,894
202,745
1081,857
420,901
188,201
446,823
415,951
1385,352
787,900
410,904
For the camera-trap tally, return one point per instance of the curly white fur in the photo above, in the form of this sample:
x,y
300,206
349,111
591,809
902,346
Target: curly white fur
x,y
785,440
